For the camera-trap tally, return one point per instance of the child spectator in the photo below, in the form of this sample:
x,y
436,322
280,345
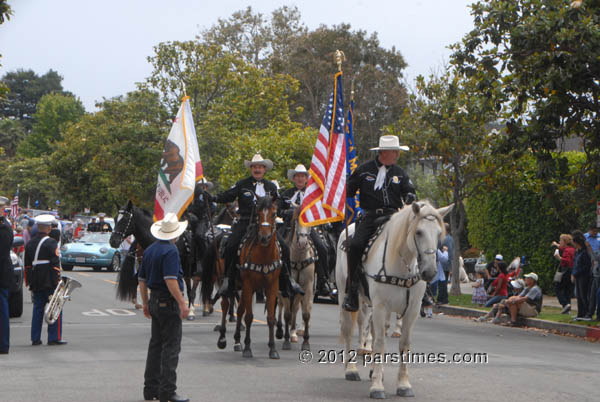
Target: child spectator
x,y
479,293
498,289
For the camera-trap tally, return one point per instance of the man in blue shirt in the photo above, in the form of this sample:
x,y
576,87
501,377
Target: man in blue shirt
x,y
593,240
161,272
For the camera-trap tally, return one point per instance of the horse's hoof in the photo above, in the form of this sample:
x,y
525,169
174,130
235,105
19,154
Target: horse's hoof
x,y
217,328
279,333
362,352
352,376
305,346
405,392
273,354
377,394
286,345
221,343
300,332
205,313
232,319
294,339
237,347
396,334
247,353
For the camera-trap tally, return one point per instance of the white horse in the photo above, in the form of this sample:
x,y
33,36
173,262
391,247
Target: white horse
x,y
302,259
399,263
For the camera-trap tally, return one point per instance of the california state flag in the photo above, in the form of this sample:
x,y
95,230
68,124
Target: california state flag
x,y
180,166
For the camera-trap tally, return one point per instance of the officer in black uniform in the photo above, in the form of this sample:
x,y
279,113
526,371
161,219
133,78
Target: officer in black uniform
x,y
295,195
102,226
161,272
6,282
42,272
92,226
246,192
384,187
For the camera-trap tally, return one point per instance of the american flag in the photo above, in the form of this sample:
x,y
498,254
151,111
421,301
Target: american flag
x,y
325,194
14,207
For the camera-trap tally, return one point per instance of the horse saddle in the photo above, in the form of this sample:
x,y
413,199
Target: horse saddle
x,y
380,225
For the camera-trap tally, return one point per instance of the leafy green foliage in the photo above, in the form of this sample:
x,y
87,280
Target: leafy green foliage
x,y
12,133
54,113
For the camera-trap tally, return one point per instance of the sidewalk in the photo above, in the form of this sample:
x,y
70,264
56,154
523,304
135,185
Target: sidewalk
x,y
550,301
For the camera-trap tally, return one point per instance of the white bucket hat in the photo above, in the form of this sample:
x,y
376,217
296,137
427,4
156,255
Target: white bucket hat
x,y
293,172
390,143
258,160
168,228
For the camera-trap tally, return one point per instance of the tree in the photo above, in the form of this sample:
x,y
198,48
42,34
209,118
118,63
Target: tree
x,y
12,133
113,155
447,125
54,113
538,60
26,88
5,13
284,45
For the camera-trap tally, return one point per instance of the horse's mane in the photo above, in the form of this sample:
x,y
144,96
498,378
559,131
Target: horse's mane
x,y
264,202
402,217
145,212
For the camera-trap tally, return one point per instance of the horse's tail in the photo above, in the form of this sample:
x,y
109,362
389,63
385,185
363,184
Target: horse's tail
x,y
208,271
127,280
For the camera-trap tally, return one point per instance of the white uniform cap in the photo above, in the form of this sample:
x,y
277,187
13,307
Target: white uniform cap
x,y
45,219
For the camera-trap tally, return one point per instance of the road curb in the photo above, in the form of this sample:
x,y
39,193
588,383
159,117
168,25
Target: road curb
x,y
559,327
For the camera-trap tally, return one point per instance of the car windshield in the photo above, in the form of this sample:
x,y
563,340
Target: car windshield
x,y
96,238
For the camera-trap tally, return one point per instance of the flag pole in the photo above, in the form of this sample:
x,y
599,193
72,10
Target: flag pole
x,y
339,58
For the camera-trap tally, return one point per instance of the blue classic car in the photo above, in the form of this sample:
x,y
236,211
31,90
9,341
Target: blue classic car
x,y
92,250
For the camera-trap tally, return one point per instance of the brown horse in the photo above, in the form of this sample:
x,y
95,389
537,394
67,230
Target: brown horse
x,y
260,262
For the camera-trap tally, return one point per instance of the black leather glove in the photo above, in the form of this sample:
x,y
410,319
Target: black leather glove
x,y
410,198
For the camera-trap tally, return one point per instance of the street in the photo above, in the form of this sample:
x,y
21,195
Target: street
x,y
108,339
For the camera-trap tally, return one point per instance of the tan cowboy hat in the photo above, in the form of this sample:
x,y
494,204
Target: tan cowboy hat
x,y
293,172
168,228
390,143
258,160
209,184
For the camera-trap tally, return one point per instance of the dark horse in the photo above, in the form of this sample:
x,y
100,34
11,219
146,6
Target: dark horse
x,y
137,221
260,265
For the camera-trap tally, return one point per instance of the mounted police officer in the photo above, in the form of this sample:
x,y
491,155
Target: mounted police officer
x,y
384,187
295,195
246,192
6,282
42,271
161,272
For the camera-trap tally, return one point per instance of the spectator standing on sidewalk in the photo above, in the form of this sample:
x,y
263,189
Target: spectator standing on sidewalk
x,y
582,276
565,254
448,242
593,242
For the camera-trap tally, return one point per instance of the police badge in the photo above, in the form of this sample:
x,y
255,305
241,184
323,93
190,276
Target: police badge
x,y
395,180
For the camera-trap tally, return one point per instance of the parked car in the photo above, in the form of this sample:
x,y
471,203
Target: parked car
x,y
92,250
15,295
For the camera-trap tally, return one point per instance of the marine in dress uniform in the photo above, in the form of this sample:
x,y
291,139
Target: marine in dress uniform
x,y
246,192
295,195
42,273
102,226
161,272
6,282
384,187
91,227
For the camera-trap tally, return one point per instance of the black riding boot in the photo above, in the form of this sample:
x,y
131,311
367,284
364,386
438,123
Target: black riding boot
x,y
350,302
227,287
287,285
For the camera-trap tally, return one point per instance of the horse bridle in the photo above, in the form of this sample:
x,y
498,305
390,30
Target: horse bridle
x,y
130,219
428,251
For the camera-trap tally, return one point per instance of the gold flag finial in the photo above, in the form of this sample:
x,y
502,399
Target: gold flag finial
x,y
352,90
339,58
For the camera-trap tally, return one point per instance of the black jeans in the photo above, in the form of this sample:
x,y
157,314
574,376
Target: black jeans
x,y
365,229
322,263
165,344
563,288
583,292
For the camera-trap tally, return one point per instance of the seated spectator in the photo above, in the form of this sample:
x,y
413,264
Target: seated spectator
x,y
500,308
492,271
528,303
78,230
498,289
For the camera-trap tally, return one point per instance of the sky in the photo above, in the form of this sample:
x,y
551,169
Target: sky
x,y
101,47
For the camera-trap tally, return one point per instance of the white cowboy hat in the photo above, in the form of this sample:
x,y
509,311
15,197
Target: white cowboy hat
x,y
168,228
258,160
390,143
209,184
293,172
